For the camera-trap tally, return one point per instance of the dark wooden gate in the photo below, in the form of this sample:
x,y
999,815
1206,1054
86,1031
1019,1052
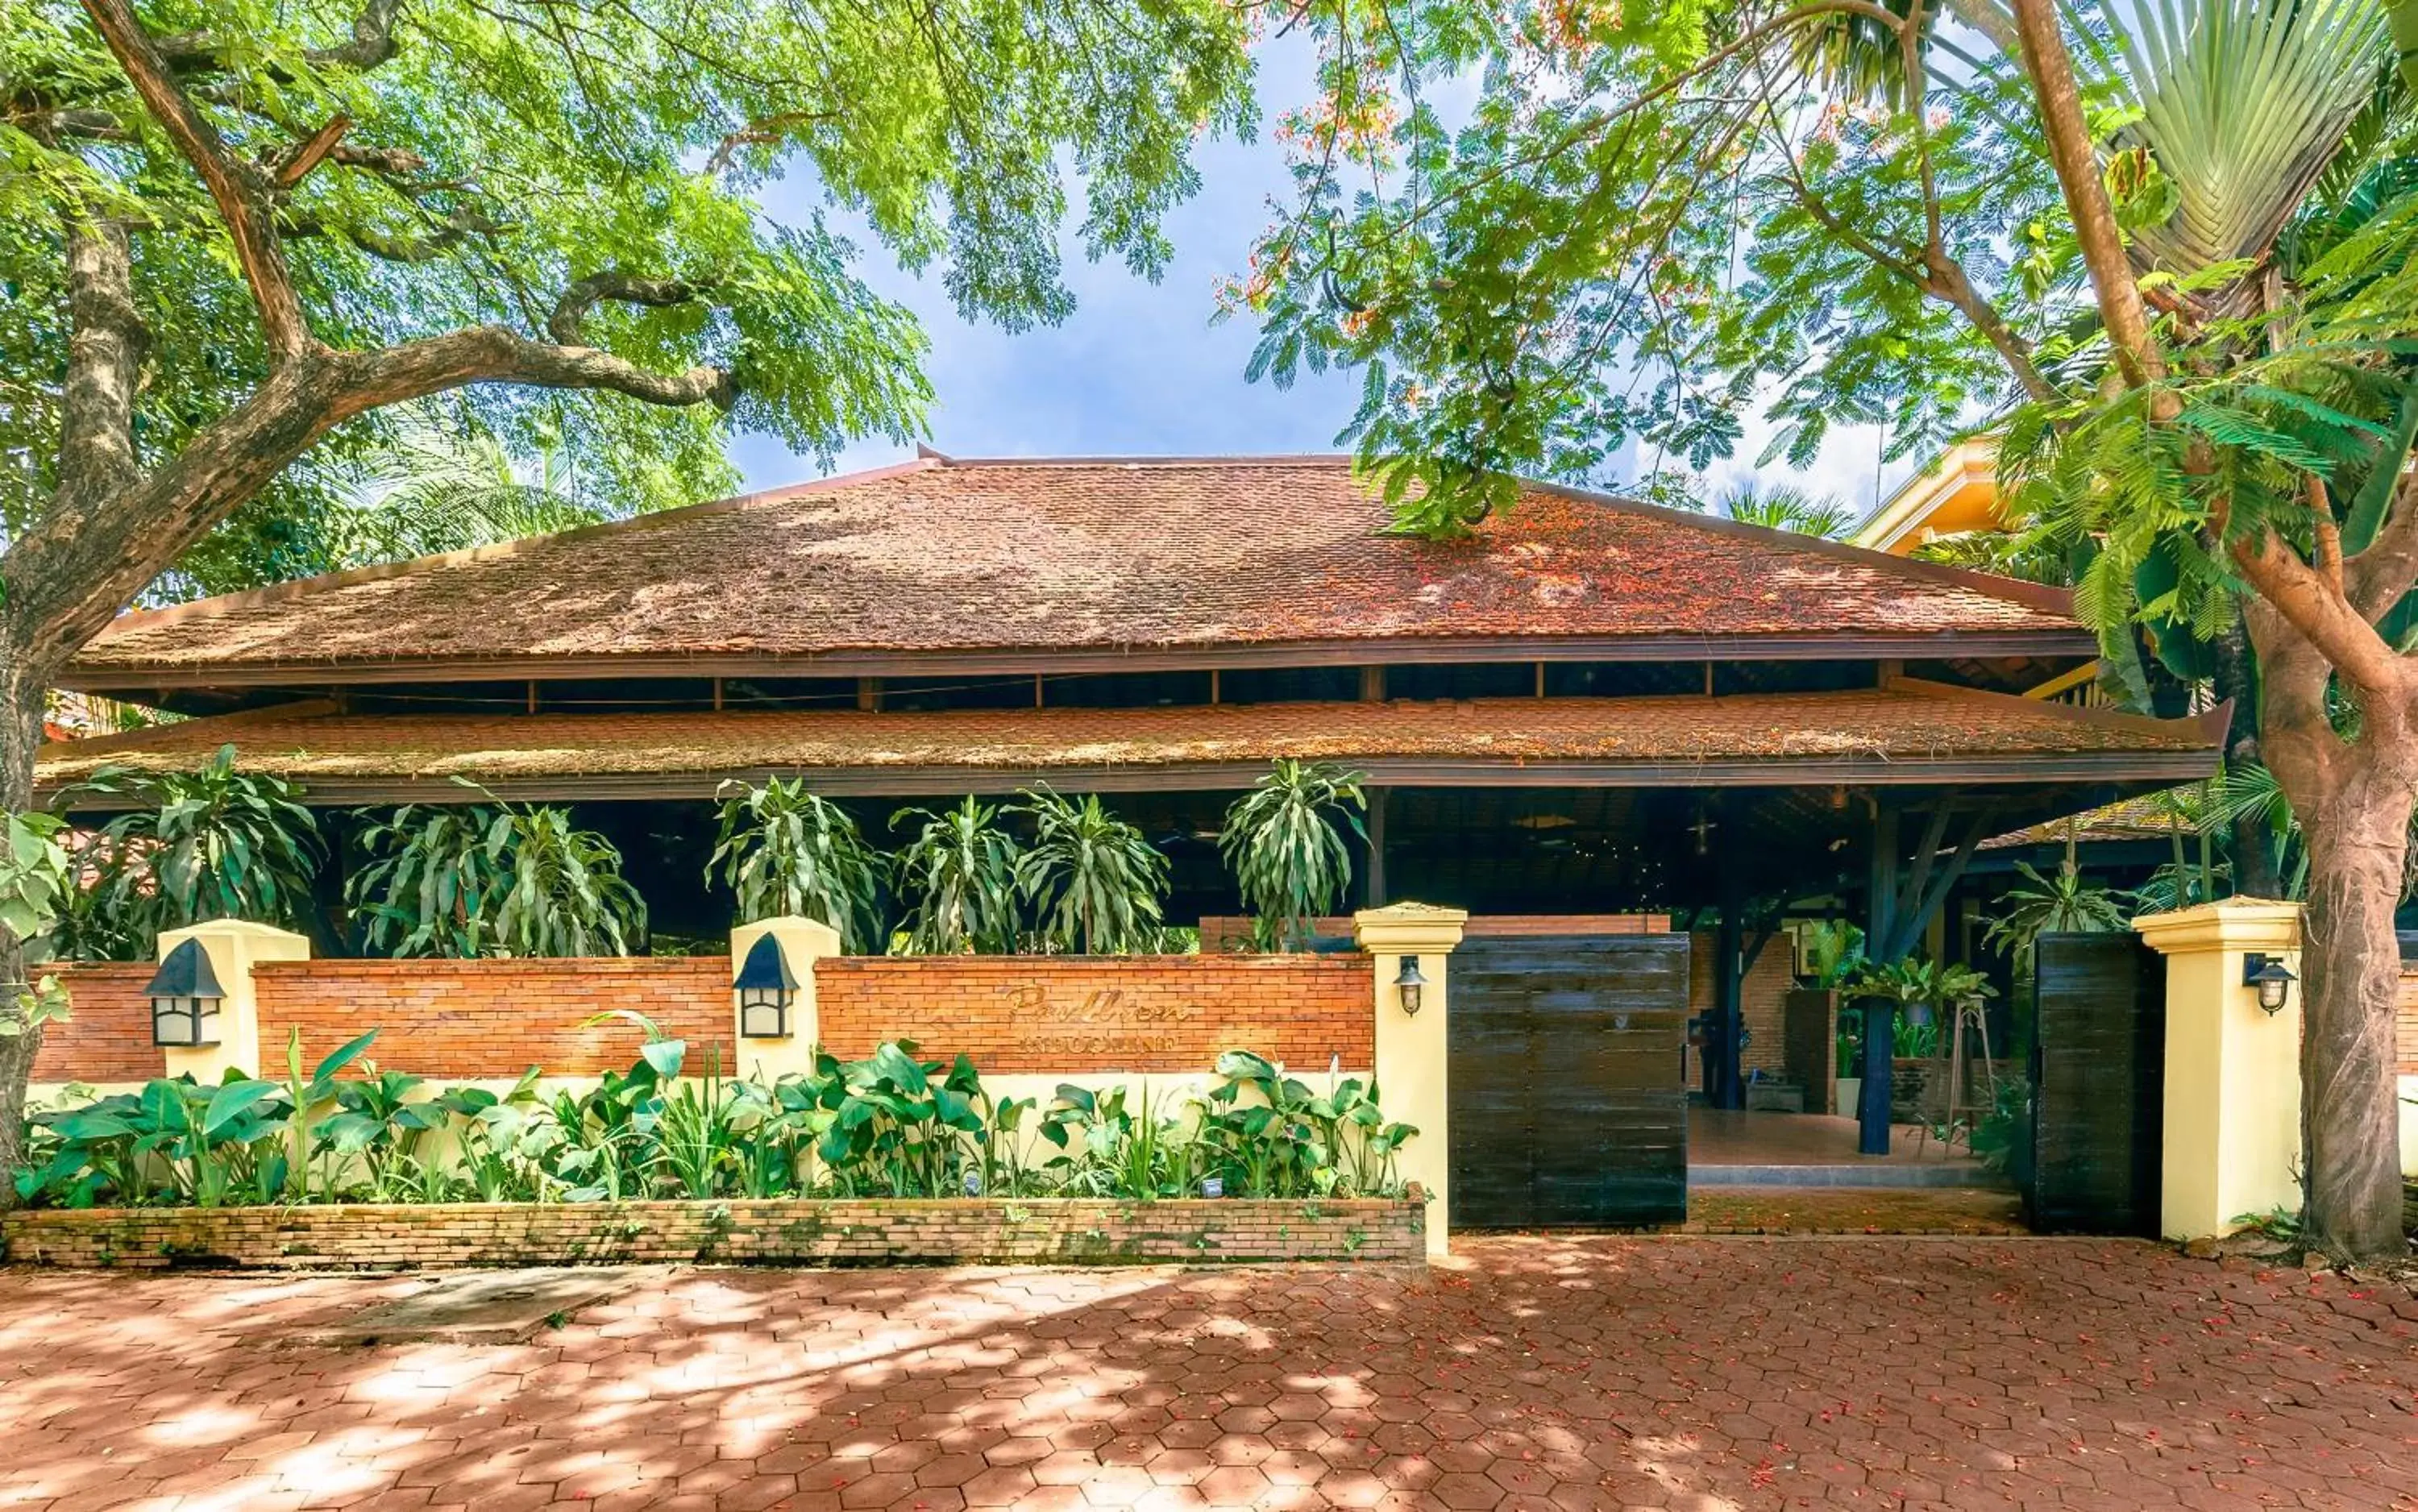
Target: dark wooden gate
x,y
2099,1054
1566,1099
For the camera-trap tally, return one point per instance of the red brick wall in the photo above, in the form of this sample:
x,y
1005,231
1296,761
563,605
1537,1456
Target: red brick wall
x,y
109,1038
1227,932
1011,1014
1151,1013
494,1018
1763,999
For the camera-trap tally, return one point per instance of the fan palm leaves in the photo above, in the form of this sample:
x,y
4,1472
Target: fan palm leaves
x,y
784,850
958,879
1281,843
2241,105
436,490
1787,507
1097,880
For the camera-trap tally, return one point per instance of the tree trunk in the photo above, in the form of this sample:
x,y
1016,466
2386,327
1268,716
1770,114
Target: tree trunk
x,y
2351,968
2250,844
23,697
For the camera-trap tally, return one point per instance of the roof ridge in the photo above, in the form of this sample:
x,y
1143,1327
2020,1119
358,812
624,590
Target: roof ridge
x,y
2039,596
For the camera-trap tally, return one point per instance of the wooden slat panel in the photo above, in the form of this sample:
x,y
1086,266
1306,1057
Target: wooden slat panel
x,y
2099,1080
1566,1110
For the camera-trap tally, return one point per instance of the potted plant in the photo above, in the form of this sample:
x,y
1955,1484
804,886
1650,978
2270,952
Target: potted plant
x,y
1891,994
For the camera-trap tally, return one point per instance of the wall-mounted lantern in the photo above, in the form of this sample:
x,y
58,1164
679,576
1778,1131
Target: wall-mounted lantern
x,y
2272,978
1411,985
185,998
766,990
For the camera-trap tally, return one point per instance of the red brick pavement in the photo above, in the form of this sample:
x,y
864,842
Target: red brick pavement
x,y
1566,1373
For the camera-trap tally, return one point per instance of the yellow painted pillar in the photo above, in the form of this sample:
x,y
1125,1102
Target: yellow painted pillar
x,y
232,946
2233,1070
1413,1061
801,942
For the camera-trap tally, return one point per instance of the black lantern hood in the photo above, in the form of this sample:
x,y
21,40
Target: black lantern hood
x,y
186,974
765,968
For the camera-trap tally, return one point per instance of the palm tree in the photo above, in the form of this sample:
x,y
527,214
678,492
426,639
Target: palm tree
x,y
1787,507
436,490
1096,878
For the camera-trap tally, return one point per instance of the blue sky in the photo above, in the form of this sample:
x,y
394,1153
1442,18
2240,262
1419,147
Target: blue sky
x,y
1138,370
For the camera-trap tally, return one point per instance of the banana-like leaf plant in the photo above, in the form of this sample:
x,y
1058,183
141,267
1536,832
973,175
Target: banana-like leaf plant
x,y
1280,841
958,879
784,850
215,843
1097,880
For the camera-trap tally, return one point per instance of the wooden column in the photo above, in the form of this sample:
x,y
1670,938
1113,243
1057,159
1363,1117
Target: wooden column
x,y
1873,1104
1727,1083
1373,879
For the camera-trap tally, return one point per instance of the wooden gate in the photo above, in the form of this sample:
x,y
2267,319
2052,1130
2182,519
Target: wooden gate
x,y
1566,1101
2098,1056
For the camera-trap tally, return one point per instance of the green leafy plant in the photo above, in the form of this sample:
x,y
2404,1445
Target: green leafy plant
x,y
305,1096
1896,987
493,878
1281,843
213,843
1097,880
36,890
958,879
784,850
2066,903
1833,950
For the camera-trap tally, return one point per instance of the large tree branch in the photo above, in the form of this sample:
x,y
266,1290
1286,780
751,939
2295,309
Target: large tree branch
x,y
105,347
615,286
2316,607
70,574
2076,161
2384,573
241,192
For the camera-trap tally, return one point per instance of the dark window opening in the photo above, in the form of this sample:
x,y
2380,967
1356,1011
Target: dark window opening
x,y
1289,685
931,695
1472,680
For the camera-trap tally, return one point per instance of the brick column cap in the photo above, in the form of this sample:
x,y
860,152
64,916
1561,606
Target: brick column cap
x,y
2229,924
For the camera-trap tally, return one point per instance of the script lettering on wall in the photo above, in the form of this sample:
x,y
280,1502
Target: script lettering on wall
x,y
1102,1021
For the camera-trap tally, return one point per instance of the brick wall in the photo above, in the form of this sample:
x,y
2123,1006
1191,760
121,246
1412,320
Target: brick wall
x,y
109,1036
1761,1001
494,1018
1157,1013
1049,1230
490,1018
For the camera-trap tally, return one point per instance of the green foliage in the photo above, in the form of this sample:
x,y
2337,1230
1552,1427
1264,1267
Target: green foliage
x,y
958,879
1787,507
493,879
1280,842
37,887
2003,1134
1653,221
2067,904
214,843
1834,948
1915,981
1095,881
784,850
891,1124
498,154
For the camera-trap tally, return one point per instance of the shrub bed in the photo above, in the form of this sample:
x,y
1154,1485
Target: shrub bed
x,y
787,1231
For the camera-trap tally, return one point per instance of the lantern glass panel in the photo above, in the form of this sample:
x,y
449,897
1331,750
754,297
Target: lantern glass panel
x,y
184,1021
763,1014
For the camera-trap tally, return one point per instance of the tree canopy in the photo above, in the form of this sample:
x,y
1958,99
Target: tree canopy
x,y
575,176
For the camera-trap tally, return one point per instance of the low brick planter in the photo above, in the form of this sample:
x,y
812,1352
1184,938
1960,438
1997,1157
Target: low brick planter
x,y
1034,1231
